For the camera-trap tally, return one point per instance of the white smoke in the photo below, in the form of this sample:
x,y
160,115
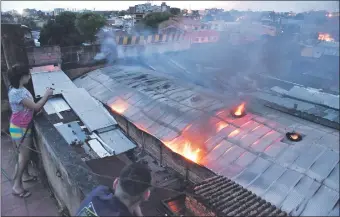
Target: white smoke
x,y
108,48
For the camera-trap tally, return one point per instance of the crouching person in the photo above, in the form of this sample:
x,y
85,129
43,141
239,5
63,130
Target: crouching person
x,y
129,190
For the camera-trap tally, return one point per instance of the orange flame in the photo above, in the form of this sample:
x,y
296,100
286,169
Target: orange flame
x,y
119,106
190,153
185,149
221,125
294,136
234,133
325,37
240,109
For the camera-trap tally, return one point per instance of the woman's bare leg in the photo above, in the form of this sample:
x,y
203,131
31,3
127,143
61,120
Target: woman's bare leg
x,y
23,159
25,176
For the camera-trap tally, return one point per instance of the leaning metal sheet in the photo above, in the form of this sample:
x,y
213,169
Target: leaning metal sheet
x,y
97,147
57,80
56,105
116,140
71,132
92,114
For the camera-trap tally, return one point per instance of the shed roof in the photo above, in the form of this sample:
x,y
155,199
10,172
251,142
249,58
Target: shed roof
x,y
300,178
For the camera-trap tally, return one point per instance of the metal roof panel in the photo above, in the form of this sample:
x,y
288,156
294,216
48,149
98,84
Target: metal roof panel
x,y
263,182
56,79
322,202
117,141
333,179
91,112
324,165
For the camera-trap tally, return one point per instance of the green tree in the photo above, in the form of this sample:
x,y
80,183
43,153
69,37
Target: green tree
x,y
152,20
175,11
121,13
88,24
61,31
299,16
7,18
29,22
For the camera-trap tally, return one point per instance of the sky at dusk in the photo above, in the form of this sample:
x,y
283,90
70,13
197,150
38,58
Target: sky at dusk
x,y
279,6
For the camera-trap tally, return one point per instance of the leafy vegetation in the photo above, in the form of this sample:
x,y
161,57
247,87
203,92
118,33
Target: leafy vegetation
x,y
88,24
61,31
175,11
69,29
152,20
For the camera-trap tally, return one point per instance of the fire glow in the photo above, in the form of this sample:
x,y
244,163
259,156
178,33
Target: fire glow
x,y
119,106
185,149
221,125
325,37
239,111
295,137
192,140
234,133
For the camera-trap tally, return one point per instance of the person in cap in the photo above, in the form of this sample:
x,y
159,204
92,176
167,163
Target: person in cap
x,y
124,199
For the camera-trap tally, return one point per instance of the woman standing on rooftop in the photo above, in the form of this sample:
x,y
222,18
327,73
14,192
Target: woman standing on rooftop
x,y
23,108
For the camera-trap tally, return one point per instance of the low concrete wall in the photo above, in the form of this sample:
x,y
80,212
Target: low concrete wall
x,y
69,177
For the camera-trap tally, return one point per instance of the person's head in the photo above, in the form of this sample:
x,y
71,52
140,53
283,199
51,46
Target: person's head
x,y
19,75
134,183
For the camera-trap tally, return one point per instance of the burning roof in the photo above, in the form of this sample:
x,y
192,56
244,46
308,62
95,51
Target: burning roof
x,y
325,37
252,149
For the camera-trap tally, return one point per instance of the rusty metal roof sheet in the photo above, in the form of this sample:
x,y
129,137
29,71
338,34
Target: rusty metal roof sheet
x,y
252,150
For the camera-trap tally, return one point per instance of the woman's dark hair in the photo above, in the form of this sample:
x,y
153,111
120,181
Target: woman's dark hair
x,y
16,73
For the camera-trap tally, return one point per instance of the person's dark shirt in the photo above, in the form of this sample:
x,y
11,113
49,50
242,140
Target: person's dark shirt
x,y
102,202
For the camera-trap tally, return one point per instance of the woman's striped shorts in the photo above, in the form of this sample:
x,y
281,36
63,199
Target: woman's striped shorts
x,y
18,132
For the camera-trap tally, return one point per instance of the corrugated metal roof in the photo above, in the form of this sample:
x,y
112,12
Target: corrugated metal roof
x,y
315,96
251,150
295,107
